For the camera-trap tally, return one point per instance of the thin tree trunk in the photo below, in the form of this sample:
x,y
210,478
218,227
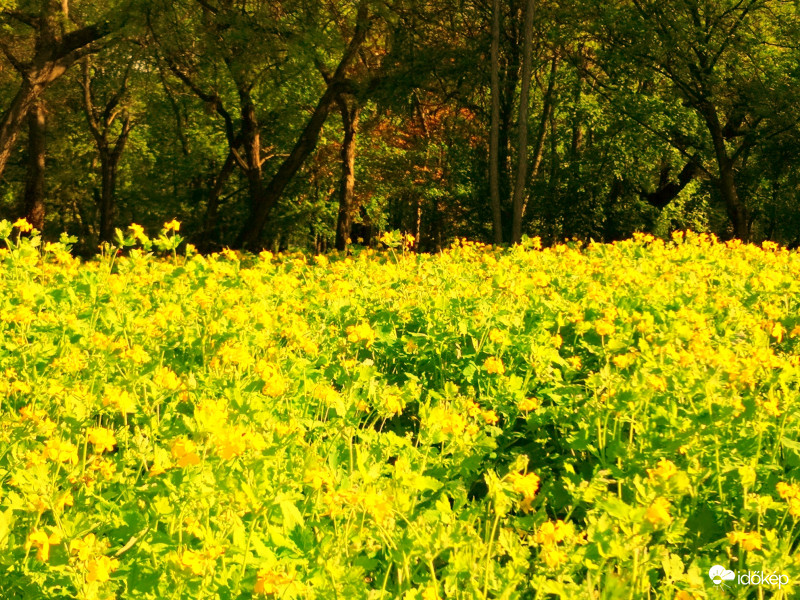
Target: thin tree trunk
x,y
494,136
210,224
541,134
35,182
556,220
350,114
577,123
522,151
100,123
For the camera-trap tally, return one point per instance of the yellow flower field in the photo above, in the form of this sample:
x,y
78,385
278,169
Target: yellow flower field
x,y
577,422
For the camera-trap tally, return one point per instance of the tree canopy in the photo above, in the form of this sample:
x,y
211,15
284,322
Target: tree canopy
x,y
321,124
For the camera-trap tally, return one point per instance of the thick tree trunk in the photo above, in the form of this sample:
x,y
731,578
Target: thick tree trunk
x,y
350,114
13,119
35,182
108,172
522,151
726,181
494,135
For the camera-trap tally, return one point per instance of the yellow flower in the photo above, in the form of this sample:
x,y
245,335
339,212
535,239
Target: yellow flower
x,y
623,361
663,471
494,365
317,478
102,439
231,442
528,404
684,595
392,403
87,547
490,417
430,593
270,582
750,540
100,568
786,490
23,225
196,562
527,485
770,406
657,383
59,451
658,512
42,542
172,225
451,422
360,332
183,451
138,231
66,499
574,362
497,337
553,556
123,400
778,332
551,532
604,328
166,378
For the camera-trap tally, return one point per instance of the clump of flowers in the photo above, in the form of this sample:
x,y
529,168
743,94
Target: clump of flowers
x,y
361,332
494,366
748,540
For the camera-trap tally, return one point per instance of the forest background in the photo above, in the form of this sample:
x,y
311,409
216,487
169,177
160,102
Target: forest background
x,y
308,123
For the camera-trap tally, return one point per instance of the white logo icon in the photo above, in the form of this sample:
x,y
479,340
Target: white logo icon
x,y
718,574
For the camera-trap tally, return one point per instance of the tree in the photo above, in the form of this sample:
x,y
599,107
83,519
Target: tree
x,y
52,45
522,147
698,48
110,145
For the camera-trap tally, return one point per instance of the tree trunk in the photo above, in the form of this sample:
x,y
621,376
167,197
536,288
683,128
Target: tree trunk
x,y
269,196
494,136
107,185
522,151
726,181
13,119
210,224
307,141
34,184
577,122
350,114
541,134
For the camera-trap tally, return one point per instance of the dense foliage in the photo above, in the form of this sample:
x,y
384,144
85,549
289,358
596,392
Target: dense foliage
x,y
304,124
598,421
